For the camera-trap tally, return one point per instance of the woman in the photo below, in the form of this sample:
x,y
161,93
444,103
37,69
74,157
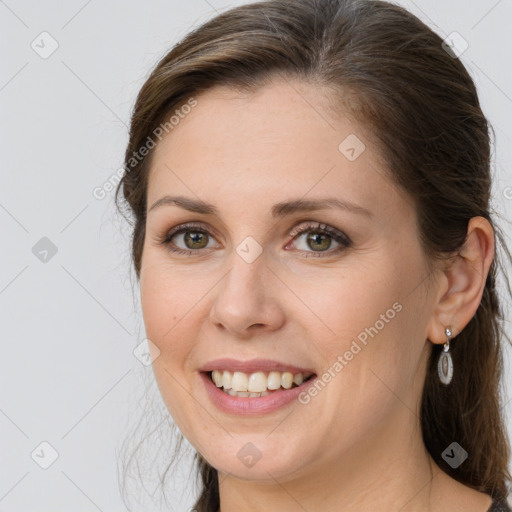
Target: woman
x,y
310,183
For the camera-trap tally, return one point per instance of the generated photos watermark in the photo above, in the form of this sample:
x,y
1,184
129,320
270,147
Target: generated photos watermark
x,y
100,192
355,348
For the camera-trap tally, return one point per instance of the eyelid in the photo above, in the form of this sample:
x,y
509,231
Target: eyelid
x,y
319,226
199,226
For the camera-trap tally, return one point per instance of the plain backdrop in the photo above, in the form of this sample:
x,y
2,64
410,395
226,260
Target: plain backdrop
x,y
70,383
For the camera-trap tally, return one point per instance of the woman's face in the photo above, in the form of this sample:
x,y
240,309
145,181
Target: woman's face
x,y
261,281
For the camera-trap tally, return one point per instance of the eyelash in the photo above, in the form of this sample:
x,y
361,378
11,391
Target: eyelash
x,y
314,227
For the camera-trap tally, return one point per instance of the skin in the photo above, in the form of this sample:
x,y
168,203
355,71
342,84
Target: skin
x,y
357,445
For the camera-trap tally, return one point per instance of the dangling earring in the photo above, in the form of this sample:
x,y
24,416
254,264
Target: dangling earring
x,y
445,363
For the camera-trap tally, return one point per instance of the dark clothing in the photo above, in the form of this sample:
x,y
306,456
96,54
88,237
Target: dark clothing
x,y
499,506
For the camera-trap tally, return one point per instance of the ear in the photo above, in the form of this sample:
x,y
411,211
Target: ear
x,y
462,281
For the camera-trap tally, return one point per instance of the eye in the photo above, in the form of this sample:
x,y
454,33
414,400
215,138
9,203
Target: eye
x,y
192,238
317,239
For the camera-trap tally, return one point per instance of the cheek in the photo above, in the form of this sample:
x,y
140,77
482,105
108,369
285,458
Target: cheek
x,y
169,327
343,304
177,396
158,306
167,297
168,321
373,320
171,302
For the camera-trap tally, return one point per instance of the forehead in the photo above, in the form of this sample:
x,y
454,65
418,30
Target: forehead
x,y
283,116
277,142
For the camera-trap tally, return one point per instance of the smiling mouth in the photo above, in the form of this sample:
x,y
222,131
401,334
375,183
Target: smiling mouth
x,y
257,384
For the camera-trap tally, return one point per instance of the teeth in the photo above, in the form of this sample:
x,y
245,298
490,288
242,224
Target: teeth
x,y
298,379
274,380
287,380
227,378
255,384
240,381
217,378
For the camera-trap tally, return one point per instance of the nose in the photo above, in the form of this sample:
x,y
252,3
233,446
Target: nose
x,y
247,299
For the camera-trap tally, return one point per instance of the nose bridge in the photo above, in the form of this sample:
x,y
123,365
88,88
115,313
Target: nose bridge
x,y
244,296
245,280
248,263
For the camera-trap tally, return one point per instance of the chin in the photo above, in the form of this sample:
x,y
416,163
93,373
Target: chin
x,y
257,457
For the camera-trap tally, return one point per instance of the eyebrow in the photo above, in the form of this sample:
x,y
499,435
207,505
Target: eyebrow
x,y
278,210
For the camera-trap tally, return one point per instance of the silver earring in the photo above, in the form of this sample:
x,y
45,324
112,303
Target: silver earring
x,y
445,363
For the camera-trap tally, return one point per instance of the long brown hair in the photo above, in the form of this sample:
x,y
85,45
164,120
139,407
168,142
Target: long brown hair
x,y
421,104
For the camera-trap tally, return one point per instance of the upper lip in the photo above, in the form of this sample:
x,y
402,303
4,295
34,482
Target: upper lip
x,y
253,365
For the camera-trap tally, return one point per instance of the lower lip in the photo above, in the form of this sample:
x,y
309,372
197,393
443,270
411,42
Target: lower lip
x,y
255,405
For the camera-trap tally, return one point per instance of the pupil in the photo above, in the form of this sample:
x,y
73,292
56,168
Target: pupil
x,y
194,238
316,237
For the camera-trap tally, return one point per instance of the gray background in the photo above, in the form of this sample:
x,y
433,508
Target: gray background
x,y
68,325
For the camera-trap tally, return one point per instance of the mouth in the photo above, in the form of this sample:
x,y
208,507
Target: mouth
x,y
256,384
